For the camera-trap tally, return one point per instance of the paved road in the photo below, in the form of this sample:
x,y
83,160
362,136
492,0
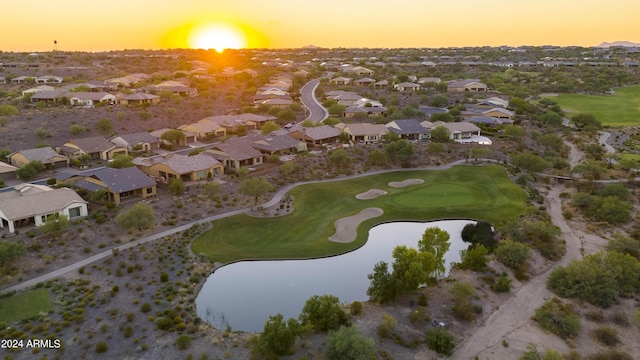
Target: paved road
x,y
274,200
317,113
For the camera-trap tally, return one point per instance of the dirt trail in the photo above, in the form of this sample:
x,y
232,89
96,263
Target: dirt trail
x,y
512,321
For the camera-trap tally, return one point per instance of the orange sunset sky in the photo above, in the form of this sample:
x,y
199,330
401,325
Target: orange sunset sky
x,y
81,25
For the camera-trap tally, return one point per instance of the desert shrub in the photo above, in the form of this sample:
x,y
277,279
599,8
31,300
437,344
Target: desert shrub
x,y
163,323
558,318
422,300
347,343
502,284
145,308
101,347
464,310
417,316
441,341
277,338
356,308
323,313
512,254
594,315
385,330
606,335
183,342
164,277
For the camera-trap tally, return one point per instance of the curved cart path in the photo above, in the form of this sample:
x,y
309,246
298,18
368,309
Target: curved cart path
x,y
516,312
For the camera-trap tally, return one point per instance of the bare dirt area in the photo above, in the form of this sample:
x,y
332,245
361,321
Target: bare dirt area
x,y
371,194
405,183
346,228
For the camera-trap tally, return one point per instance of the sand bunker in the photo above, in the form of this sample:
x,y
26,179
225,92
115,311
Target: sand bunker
x,y
399,184
371,194
346,227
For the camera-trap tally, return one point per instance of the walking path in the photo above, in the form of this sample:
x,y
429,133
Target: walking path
x,y
516,312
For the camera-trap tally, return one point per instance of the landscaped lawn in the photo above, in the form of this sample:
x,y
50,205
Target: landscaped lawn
x,y
620,109
23,306
467,192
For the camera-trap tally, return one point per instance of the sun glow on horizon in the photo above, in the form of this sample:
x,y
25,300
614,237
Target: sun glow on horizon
x,y
218,37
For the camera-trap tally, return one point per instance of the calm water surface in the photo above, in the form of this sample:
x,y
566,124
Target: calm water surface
x,y
243,295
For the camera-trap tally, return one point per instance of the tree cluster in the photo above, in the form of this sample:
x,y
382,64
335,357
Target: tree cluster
x,y
598,278
609,204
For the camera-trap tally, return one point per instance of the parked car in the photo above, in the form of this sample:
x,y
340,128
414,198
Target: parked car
x,y
437,323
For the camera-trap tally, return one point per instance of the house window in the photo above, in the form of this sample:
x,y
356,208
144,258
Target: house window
x,y
74,212
149,190
202,174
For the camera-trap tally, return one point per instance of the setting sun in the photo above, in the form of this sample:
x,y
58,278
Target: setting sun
x,y
218,37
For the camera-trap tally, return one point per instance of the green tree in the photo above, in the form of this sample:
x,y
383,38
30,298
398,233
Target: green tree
x,y
444,117
277,338
286,115
104,126
139,216
339,158
381,287
590,170
336,109
176,186
173,136
55,223
121,161
8,110
550,141
76,129
530,162
412,268
624,245
512,254
347,343
586,122
440,134
440,101
377,158
400,151
30,170
480,153
323,313
255,187
551,118
10,251
269,127
436,241
514,132
435,148
611,209
474,258
479,233
441,341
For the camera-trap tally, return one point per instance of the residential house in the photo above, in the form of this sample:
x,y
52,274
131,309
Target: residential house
x,y
365,133
46,155
340,80
493,102
189,137
236,154
49,79
273,144
176,87
361,71
118,184
408,129
50,97
488,121
316,136
382,84
249,121
139,98
7,171
20,79
429,80
97,147
276,102
365,81
467,85
406,86
173,166
205,128
29,204
457,130
36,89
141,141
91,99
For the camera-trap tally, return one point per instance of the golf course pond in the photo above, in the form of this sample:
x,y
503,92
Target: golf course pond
x,y
242,295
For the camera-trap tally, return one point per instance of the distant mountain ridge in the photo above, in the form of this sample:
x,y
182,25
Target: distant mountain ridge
x,y
618,43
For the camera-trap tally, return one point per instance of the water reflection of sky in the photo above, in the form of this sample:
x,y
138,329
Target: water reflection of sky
x,y
244,294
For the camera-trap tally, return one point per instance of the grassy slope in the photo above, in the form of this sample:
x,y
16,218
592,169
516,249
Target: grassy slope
x,y
23,306
483,193
620,109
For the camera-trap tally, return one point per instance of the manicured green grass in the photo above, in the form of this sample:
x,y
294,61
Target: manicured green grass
x,y
482,193
620,109
23,306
